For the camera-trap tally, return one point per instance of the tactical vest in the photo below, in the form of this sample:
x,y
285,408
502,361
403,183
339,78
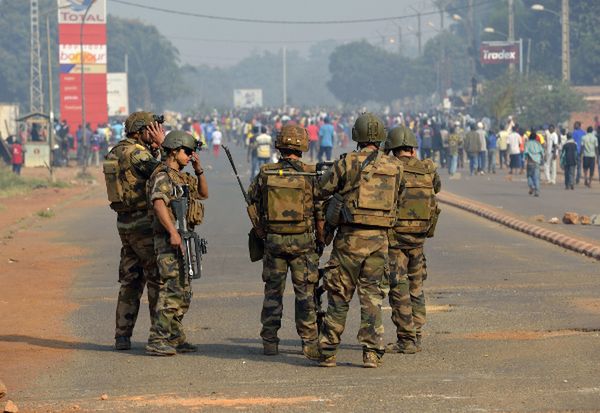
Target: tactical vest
x,y
195,212
287,204
124,186
371,194
417,206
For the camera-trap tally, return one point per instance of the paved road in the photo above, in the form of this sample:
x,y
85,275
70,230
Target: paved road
x,y
511,194
513,326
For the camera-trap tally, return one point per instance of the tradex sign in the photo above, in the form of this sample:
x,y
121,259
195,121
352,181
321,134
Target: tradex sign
x,y
499,52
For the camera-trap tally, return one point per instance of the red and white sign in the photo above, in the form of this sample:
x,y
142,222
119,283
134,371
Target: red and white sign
x,y
492,53
73,30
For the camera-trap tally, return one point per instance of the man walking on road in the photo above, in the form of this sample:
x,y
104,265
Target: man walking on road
x,y
568,161
284,195
416,218
326,135
127,168
578,134
534,157
364,187
589,152
551,155
473,148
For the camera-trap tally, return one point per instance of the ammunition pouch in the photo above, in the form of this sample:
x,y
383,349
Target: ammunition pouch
x,y
434,220
114,190
335,211
256,246
195,212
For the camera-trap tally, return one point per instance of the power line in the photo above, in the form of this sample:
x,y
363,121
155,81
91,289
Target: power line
x,y
200,39
295,22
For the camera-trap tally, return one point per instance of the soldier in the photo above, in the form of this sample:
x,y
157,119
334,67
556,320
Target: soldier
x,y
174,290
284,195
126,168
415,221
364,187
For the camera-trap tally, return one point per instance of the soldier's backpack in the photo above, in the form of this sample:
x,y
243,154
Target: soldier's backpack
x,y
372,199
287,203
418,207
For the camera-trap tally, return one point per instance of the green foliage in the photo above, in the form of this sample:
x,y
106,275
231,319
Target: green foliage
x,y
45,213
306,78
534,100
361,72
154,74
11,184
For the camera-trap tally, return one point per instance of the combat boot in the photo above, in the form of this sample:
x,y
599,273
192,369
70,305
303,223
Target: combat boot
x,y
327,361
371,360
122,343
401,346
186,348
311,351
270,348
160,349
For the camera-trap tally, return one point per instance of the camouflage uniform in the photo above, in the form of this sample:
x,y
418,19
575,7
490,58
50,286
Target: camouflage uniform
x,y
174,292
407,260
138,264
360,250
288,212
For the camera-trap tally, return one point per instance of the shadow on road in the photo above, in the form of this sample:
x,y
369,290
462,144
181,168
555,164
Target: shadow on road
x,y
53,343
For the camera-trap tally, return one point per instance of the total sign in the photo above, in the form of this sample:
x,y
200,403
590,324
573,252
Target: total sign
x,y
499,52
72,11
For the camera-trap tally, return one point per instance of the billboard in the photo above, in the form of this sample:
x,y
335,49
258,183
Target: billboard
x,y
72,11
492,53
247,98
83,61
117,94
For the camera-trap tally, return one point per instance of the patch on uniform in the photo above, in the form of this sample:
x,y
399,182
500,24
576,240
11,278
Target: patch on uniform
x,y
137,145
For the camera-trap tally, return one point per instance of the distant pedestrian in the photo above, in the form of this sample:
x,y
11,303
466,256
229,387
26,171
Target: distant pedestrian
x,y
492,145
552,144
534,157
216,138
568,161
326,135
514,151
578,134
313,143
472,148
589,151
503,146
17,156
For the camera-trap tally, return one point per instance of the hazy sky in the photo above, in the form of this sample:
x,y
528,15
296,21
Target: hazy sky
x,y
222,43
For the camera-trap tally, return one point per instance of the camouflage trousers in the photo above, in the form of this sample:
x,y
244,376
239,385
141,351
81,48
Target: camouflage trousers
x,y
174,295
408,269
359,261
296,253
136,268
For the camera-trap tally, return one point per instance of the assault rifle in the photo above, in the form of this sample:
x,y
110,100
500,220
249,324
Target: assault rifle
x,y
193,246
256,236
321,168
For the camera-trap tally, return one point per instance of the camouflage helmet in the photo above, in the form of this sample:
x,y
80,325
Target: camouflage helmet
x,y
368,128
400,136
292,137
137,120
178,139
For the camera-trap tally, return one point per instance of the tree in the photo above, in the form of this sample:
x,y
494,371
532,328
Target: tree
x,y
535,100
154,73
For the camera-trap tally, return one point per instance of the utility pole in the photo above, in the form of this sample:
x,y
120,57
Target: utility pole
x,y
36,93
511,30
284,56
566,52
50,104
419,34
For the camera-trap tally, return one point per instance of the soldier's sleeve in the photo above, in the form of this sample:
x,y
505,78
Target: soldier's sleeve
x,y
143,161
331,181
437,182
160,187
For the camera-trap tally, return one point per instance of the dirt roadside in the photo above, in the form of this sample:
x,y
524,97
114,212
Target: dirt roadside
x,y
36,270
